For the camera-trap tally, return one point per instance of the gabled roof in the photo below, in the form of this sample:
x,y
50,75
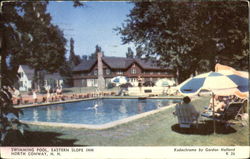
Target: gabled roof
x,y
147,64
85,65
28,71
119,63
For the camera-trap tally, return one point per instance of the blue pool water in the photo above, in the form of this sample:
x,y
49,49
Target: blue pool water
x,y
94,112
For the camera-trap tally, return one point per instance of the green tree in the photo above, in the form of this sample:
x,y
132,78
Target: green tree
x,y
46,46
139,52
94,55
73,59
189,36
84,57
17,35
27,37
130,53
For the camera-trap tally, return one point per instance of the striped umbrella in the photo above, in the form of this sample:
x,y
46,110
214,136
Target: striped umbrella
x,y
213,81
217,83
240,78
242,91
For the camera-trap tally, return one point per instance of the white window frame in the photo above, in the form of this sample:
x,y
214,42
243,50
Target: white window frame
x,y
119,72
133,71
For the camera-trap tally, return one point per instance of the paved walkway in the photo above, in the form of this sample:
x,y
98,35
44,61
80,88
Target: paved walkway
x,y
42,98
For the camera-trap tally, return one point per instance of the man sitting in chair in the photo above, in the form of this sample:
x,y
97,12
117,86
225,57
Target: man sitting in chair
x,y
186,112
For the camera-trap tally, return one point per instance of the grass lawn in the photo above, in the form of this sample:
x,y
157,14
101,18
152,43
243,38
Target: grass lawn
x,y
159,129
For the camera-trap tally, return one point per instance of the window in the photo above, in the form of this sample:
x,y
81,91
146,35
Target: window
x,y
132,80
83,82
21,83
119,72
95,72
21,74
95,82
133,71
108,71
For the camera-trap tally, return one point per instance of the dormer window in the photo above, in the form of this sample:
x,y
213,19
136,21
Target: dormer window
x,y
95,72
133,71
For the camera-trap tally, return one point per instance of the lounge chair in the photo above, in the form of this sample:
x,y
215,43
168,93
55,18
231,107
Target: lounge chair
x,y
185,119
231,112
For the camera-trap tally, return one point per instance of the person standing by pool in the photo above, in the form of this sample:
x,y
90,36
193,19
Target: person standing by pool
x,y
59,93
139,79
17,95
34,96
48,93
169,91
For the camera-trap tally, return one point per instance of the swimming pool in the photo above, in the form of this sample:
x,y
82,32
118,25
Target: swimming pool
x,y
93,112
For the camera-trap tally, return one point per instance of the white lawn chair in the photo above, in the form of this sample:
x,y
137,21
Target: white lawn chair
x,y
185,119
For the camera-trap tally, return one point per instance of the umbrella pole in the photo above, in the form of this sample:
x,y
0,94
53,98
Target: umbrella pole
x,y
214,126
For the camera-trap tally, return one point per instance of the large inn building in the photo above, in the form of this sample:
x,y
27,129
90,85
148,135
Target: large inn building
x,y
90,72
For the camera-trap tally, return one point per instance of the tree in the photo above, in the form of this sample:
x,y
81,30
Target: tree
x,y
84,57
73,59
27,37
189,36
139,52
94,55
42,44
130,53
22,24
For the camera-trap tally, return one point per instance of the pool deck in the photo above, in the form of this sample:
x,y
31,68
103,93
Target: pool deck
x,y
106,97
101,126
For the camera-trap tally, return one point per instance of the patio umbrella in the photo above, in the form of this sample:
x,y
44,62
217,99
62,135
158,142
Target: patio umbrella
x,y
240,78
215,82
221,68
164,83
244,74
242,91
119,80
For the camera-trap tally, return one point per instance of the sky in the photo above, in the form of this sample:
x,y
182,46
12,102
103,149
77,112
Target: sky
x,y
91,25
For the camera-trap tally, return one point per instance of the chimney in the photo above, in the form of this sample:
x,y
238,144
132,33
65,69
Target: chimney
x,y
100,80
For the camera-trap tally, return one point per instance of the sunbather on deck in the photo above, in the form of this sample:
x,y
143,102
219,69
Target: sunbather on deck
x,y
218,103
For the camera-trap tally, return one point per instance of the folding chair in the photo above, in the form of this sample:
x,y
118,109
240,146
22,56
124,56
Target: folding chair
x,y
231,112
185,119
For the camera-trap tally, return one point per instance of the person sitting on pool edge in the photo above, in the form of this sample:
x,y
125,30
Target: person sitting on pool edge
x,y
188,109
